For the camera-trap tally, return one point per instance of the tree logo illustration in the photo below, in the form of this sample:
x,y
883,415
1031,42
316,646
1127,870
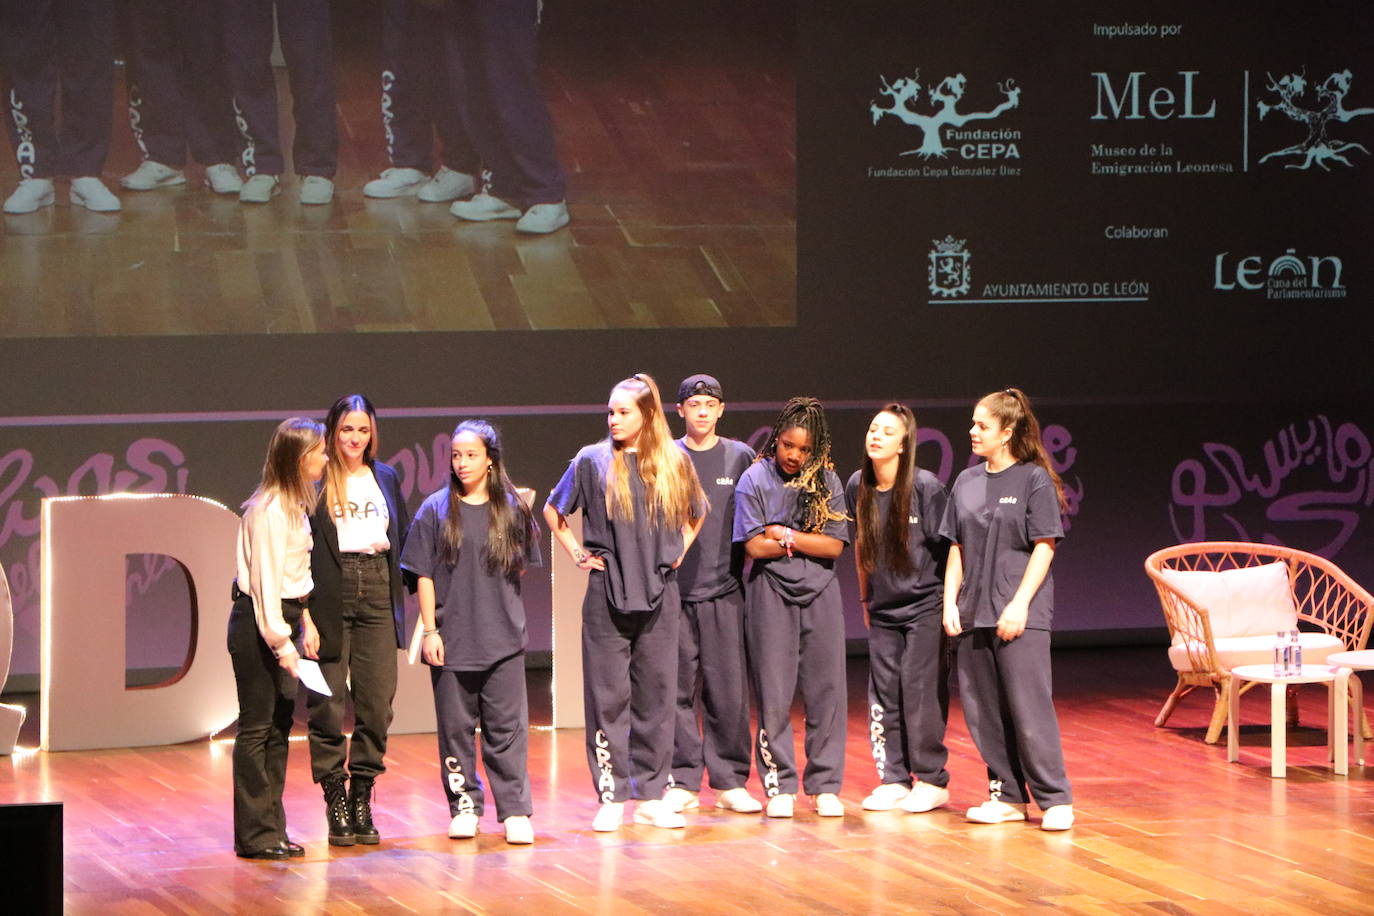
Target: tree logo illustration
x,y
905,92
1317,148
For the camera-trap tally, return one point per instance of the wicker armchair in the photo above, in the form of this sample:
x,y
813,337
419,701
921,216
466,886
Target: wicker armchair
x,y
1326,599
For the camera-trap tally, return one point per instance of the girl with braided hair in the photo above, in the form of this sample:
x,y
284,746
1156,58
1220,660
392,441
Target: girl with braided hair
x,y
789,514
1003,522
642,507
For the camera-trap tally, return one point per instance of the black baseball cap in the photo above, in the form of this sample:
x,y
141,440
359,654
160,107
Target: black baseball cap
x,y
694,385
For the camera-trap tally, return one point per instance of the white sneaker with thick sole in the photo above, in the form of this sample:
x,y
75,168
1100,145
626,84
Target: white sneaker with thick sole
x,y
463,826
739,800
886,797
541,219
150,175
1057,817
447,185
519,831
395,183
223,178
996,812
90,192
609,817
679,799
924,797
779,806
316,189
656,813
828,804
259,189
31,194
483,207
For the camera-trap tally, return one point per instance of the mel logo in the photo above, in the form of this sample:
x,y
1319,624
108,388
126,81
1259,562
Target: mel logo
x,y
1161,104
949,271
1316,148
904,94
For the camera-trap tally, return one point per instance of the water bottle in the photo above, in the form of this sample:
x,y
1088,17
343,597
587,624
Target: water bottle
x,y
1295,651
1281,654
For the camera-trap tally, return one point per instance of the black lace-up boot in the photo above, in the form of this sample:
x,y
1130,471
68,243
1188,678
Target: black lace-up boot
x,y
337,811
360,807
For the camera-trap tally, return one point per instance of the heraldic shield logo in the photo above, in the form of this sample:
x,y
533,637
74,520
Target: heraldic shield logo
x,y
1318,112
950,273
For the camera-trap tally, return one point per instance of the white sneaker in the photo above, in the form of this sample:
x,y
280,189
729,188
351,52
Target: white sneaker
x,y
31,194
828,804
1057,817
679,799
996,812
482,207
738,800
463,826
90,192
519,831
924,797
394,183
609,817
656,813
259,189
779,806
316,189
223,178
886,796
541,219
151,175
447,185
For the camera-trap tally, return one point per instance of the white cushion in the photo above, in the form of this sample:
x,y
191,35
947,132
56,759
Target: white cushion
x,y
1253,601
1259,650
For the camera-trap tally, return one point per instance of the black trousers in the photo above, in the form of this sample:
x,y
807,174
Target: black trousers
x,y
178,82
307,43
417,96
1005,689
52,48
908,700
629,674
493,698
712,671
267,700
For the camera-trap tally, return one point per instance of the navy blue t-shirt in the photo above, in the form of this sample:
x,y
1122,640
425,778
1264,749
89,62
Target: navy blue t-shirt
x,y
639,555
762,499
895,599
480,616
714,565
996,520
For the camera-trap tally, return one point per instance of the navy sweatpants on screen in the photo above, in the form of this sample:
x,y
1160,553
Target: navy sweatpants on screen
x,y
417,98
629,675
793,647
494,699
49,47
908,701
1005,689
712,669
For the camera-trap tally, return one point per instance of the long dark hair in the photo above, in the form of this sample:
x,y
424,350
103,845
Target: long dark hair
x,y
1012,410
888,546
814,502
511,528
335,489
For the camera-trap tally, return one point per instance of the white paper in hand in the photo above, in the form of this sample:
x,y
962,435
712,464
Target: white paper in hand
x,y
312,676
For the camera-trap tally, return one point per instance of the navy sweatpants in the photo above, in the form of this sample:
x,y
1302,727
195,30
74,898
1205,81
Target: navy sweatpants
x,y
712,669
417,98
495,699
493,61
908,700
1005,689
793,646
52,47
178,82
629,679
307,43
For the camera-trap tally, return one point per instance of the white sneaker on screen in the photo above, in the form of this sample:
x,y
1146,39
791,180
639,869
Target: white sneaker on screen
x,y
90,192
31,194
152,175
447,185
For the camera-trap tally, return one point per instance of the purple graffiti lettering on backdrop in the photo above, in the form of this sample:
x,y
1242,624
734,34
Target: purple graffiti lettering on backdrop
x,y
150,466
422,474
945,467
1289,480
1058,442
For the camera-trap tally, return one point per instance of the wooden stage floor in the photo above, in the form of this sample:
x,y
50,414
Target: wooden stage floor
x,y
1165,824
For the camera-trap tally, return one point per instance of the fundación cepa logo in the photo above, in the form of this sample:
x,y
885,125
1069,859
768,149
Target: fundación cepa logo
x,y
944,122
1327,107
1286,277
950,272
